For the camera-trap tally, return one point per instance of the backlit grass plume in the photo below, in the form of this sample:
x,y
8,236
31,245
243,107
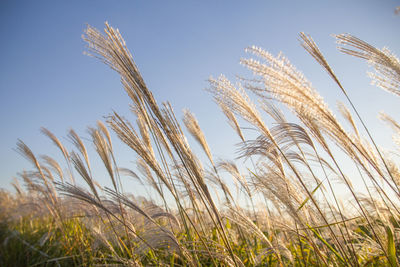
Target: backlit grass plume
x,y
288,199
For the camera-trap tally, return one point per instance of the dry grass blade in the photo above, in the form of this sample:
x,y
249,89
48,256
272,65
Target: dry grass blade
x,y
311,47
129,136
237,101
77,141
231,119
85,174
112,50
144,132
48,188
273,111
347,115
105,132
130,173
231,168
391,121
287,85
54,165
60,146
394,125
194,129
104,150
353,147
385,63
55,141
78,193
26,152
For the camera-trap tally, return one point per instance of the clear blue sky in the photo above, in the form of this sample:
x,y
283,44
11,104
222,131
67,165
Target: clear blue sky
x,y
45,80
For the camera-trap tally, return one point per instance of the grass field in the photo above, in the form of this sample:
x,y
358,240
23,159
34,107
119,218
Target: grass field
x,y
289,212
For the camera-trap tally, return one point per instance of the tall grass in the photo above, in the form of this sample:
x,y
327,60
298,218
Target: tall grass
x,y
289,212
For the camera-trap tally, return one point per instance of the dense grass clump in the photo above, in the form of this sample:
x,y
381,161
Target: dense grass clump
x,y
283,210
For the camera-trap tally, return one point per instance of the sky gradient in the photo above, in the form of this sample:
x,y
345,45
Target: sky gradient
x,y
46,80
